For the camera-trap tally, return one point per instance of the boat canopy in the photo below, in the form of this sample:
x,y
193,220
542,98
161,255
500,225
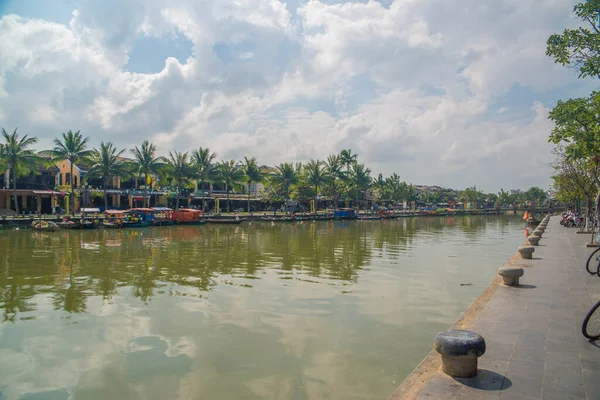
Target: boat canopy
x,y
190,210
90,210
162,209
141,210
114,212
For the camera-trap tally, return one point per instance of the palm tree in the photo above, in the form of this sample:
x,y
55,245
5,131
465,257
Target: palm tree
x,y
72,147
231,174
360,178
106,163
147,163
333,169
348,159
380,186
181,169
205,169
252,172
17,156
315,175
284,176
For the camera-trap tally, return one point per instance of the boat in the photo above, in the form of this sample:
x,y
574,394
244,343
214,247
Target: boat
x,y
228,221
279,219
112,224
47,226
88,224
69,224
345,213
138,218
369,217
188,216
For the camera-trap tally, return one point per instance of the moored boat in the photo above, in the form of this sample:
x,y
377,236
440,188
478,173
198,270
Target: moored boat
x,y
345,213
228,221
47,226
188,216
70,224
369,217
163,216
138,218
279,219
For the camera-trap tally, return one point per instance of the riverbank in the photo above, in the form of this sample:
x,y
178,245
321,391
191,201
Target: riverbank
x,y
535,348
24,221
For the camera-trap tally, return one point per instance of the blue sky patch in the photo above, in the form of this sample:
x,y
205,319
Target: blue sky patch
x,y
148,54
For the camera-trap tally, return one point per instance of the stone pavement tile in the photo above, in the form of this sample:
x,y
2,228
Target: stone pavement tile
x,y
468,393
549,395
530,369
591,383
575,391
590,365
513,396
516,384
493,364
485,380
563,375
441,386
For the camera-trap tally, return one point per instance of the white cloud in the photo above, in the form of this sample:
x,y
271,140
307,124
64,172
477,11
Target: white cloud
x,y
407,87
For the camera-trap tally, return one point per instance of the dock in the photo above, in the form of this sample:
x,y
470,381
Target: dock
x,y
535,348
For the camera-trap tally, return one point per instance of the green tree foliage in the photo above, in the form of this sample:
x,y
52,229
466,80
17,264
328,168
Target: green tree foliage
x,y
284,176
573,180
360,180
336,177
105,163
230,173
315,175
16,154
203,160
74,148
181,170
252,173
579,48
147,163
577,127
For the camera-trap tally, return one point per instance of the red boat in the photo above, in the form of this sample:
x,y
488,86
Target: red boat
x,y
188,216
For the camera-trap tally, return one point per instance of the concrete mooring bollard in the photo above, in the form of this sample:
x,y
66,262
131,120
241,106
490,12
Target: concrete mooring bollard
x,y
533,240
511,275
538,232
526,252
460,350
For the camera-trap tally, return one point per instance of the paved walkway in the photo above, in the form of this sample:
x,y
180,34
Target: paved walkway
x,y
535,349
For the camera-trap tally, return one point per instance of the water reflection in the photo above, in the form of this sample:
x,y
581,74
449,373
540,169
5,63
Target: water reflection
x,y
73,265
303,310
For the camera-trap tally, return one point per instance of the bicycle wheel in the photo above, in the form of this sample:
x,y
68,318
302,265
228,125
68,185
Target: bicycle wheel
x,y
593,262
591,323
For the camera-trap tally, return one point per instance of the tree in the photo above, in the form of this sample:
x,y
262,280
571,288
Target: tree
x,y
147,163
579,48
380,186
577,126
181,170
335,176
471,195
348,159
252,173
105,163
395,188
284,176
231,174
574,179
15,152
203,158
73,147
360,178
315,176
535,196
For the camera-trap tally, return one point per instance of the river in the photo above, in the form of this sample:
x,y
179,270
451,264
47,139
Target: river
x,y
312,310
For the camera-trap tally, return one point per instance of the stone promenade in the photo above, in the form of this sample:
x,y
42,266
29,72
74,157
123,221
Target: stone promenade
x,y
535,349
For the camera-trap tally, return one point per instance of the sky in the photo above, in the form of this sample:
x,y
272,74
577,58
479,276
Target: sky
x,y
450,93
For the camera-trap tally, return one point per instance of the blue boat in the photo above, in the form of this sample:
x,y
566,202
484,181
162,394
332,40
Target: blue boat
x,y
345,213
138,218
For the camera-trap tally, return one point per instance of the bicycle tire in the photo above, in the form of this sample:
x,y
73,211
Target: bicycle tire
x,y
597,258
591,324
